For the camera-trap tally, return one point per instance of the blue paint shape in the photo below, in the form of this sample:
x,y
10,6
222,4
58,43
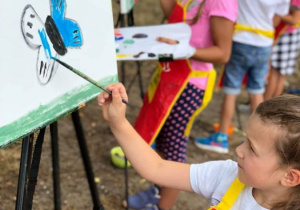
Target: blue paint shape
x,y
45,43
117,38
68,29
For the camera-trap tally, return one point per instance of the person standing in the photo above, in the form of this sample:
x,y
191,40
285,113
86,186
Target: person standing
x,y
252,41
181,89
285,51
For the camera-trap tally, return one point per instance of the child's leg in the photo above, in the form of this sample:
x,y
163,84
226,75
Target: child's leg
x,y
235,70
171,141
280,86
257,74
271,88
233,77
227,113
255,99
283,59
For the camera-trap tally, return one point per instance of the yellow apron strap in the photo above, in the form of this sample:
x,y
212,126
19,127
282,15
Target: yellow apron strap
x,y
184,7
230,196
266,33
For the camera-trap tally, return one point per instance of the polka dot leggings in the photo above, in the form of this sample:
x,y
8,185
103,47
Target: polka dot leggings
x,y
171,141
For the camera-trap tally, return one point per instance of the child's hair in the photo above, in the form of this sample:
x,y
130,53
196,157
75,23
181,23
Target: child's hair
x,y
199,13
284,111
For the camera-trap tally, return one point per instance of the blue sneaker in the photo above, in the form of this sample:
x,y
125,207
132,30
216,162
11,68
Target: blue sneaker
x,y
144,199
217,142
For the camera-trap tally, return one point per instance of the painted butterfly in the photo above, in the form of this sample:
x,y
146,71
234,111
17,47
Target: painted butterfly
x,y
51,38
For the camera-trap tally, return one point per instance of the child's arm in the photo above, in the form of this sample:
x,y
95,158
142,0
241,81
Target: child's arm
x,y
292,18
276,20
222,31
167,7
144,159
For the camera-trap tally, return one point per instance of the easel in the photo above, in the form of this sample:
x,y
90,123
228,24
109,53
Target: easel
x,y
130,22
30,160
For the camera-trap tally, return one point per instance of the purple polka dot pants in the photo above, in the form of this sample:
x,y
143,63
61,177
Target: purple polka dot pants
x,y
171,141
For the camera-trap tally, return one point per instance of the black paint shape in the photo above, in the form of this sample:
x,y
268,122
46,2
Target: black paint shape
x,y
29,35
45,66
54,36
29,24
140,36
151,55
41,67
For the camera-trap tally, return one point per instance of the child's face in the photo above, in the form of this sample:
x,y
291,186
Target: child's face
x,y
257,161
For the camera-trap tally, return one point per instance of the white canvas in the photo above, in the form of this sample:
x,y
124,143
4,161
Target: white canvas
x,y
29,97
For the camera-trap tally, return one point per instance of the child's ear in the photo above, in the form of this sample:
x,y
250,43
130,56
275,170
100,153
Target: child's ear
x,y
291,178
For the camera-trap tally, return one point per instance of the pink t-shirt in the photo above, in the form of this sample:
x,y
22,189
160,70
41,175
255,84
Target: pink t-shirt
x,y
201,32
295,4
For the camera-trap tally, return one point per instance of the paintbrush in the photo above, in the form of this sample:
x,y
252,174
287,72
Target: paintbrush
x,y
87,78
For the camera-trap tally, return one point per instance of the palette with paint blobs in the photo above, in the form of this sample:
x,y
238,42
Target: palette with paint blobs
x,y
141,43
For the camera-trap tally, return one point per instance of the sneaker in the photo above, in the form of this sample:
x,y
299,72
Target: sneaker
x,y
217,142
144,198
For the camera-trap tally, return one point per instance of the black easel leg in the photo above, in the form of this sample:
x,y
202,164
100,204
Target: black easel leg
x,y
34,170
140,78
23,173
130,19
122,24
122,20
86,160
29,160
123,72
55,165
126,183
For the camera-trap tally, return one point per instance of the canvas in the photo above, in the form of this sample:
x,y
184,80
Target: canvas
x,y
35,90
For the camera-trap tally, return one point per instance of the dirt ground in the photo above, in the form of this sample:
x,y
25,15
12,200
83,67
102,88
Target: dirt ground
x,y
110,180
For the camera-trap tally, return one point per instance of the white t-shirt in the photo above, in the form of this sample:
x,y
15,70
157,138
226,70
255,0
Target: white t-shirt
x,y
213,179
258,14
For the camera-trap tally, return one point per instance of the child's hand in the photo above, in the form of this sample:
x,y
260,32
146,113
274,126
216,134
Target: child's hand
x,y
112,106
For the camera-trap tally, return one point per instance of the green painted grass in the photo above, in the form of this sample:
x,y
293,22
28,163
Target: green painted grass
x,y
51,112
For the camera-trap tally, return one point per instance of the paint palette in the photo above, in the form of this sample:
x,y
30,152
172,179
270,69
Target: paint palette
x,y
140,43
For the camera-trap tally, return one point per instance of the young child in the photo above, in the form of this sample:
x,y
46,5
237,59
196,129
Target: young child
x,y
265,176
181,89
252,41
285,51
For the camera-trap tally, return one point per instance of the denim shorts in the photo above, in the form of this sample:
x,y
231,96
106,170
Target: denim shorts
x,y
250,60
